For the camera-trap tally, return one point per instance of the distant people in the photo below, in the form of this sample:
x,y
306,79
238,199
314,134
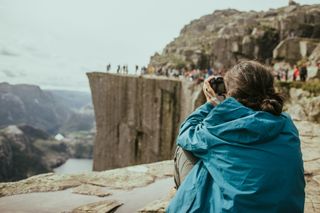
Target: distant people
x,y
118,69
278,75
296,73
286,74
210,72
159,71
108,67
137,68
143,70
303,73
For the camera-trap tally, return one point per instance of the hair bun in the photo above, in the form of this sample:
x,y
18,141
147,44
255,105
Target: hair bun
x,y
272,106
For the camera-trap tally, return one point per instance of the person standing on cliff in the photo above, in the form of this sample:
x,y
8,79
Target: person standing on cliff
x,y
296,73
303,73
240,153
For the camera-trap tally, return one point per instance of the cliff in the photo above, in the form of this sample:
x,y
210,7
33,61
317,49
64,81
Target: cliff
x,y
137,118
222,38
26,151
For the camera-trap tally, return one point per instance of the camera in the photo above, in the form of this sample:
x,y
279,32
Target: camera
x,y
217,84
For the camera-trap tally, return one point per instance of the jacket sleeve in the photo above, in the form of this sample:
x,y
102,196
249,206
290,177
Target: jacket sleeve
x,y
192,134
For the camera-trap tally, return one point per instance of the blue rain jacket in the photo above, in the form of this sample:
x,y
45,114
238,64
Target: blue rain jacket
x,y
249,161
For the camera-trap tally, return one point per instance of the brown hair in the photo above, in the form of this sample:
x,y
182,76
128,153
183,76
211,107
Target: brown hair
x,y
252,84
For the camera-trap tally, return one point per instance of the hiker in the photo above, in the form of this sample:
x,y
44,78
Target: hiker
x,y
296,73
239,152
108,67
303,73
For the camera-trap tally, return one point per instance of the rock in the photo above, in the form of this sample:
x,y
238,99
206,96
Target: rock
x,y
26,151
310,138
226,36
297,94
124,178
158,206
303,106
137,117
297,113
315,56
87,189
294,49
99,207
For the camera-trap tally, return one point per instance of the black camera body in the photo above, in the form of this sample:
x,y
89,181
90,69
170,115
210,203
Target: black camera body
x,y
218,86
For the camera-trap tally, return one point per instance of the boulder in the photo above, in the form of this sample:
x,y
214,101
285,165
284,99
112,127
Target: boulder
x,y
304,106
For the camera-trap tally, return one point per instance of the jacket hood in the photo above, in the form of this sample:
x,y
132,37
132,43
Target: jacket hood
x,y
233,122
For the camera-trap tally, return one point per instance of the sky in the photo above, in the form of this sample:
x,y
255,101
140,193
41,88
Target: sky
x,y
54,43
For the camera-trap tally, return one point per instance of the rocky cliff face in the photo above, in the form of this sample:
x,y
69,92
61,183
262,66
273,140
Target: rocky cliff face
x,y
304,106
225,36
137,118
26,151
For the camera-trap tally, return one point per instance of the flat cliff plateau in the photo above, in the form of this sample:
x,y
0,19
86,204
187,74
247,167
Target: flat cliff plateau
x,y
137,117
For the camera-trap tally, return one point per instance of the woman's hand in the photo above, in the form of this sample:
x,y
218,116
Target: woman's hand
x,y
208,91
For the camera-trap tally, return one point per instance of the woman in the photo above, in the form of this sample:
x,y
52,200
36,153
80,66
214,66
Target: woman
x,y
247,150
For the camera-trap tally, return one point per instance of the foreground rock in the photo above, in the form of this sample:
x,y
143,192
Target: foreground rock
x,y
303,105
310,137
134,187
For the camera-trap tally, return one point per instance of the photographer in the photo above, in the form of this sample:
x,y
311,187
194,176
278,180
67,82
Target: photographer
x,y
242,153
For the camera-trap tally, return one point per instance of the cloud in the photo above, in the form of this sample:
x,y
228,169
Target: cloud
x,y
7,52
8,73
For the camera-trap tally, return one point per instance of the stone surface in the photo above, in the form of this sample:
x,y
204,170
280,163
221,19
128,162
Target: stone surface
x,y
87,189
99,207
315,56
310,138
160,205
125,178
137,118
293,49
126,185
303,106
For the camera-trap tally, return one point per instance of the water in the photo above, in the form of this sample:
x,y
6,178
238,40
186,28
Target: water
x,y
73,165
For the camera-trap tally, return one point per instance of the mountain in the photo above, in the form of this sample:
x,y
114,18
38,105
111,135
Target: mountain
x,y
224,37
51,111
26,151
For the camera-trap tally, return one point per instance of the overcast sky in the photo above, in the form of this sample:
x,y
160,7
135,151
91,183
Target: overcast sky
x,y
53,43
